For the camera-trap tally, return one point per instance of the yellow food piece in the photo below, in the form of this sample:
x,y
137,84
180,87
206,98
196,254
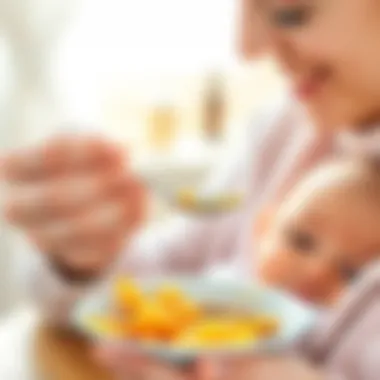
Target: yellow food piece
x,y
215,333
169,315
212,331
182,307
264,326
231,200
153,321
170,296
105,326
188,341
187,312
187,198
127,295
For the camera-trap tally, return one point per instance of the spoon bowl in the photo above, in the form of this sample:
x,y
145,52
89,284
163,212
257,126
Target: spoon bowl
x,y
181,186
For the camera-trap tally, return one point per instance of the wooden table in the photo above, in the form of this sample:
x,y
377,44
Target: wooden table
x,y
63,355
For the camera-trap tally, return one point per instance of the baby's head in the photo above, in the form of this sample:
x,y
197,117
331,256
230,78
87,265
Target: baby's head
x,y
324,232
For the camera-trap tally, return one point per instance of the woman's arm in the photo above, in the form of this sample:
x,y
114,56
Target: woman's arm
x,y
186,245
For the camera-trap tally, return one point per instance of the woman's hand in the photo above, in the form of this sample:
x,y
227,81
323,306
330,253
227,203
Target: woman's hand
x,y
132,366
77,201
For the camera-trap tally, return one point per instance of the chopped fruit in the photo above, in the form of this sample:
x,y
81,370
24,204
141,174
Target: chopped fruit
x,y
188,312
169,315
170,296
106,326
153,321
128,295
215,333
264,325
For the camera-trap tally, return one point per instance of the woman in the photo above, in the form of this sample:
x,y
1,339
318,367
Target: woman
x,y
329,51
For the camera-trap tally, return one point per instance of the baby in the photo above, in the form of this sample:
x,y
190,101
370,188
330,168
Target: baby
x,y
324,232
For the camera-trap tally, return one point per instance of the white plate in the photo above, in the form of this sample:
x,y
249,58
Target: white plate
x,y
294,317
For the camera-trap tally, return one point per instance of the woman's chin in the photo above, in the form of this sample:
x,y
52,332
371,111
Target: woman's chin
x,y
340,116
328,119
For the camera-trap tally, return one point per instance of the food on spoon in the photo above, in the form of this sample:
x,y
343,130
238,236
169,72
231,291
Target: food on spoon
x,y
231,200
188,199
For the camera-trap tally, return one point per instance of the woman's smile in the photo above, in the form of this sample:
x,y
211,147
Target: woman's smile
x,y
312,83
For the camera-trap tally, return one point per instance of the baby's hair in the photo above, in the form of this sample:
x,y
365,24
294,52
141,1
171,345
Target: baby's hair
x,y
361,173
342,177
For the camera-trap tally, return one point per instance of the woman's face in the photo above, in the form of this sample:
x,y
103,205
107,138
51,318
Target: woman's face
x,y
330,50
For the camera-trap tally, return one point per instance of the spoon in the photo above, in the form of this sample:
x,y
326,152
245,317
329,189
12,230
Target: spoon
x,y
187,199
179,184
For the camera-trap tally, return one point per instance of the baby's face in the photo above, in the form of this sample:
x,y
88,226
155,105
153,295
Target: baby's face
x,y
318,242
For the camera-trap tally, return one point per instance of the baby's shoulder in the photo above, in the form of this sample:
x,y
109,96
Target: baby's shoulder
x,y
348,326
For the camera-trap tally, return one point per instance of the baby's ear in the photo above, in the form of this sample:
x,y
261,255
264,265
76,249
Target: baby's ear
x,y
263,222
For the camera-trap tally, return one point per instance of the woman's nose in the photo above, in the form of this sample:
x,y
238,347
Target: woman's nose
x,y
252,35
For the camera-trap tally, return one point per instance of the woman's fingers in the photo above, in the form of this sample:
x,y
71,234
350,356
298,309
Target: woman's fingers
x,y
37,203
57,156
34,203
90,241
102,217
75,199
259,368
96,215
92,237
224,368
128,364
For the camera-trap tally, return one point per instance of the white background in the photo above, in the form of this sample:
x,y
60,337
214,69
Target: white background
x,y
112,59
